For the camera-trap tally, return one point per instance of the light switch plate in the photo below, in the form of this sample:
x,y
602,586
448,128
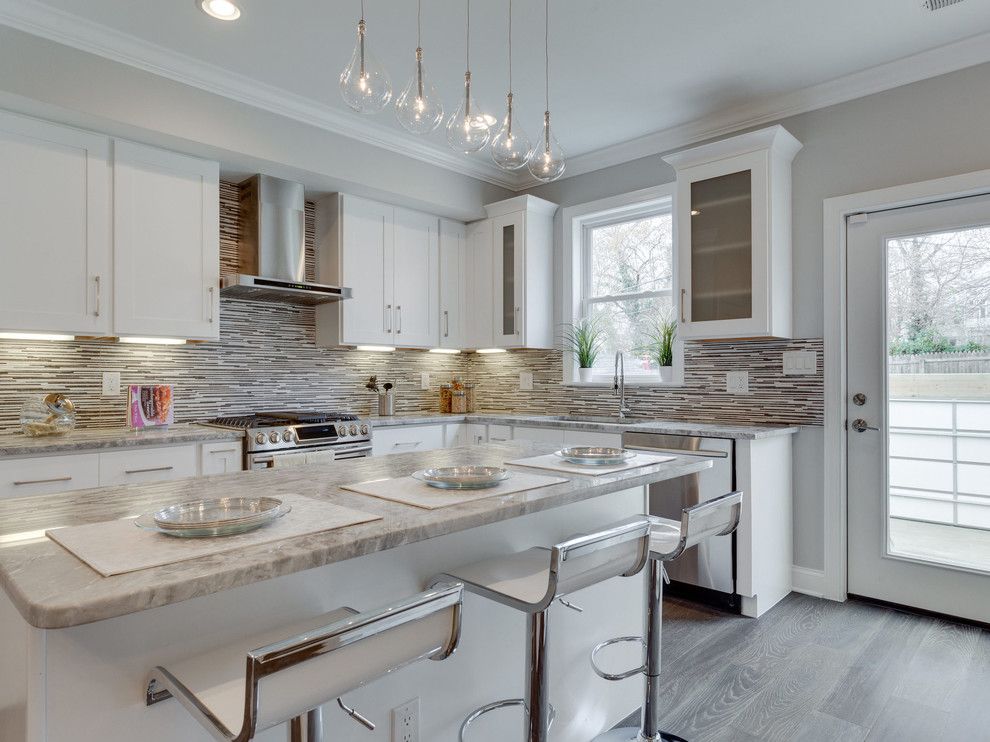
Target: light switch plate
x,y
737,382
424,381
525,381
800,362
111,384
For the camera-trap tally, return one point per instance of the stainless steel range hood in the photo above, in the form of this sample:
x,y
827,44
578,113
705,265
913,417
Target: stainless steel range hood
x,y
272,247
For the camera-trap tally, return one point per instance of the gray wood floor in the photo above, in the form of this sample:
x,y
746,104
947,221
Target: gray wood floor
x,y
814,671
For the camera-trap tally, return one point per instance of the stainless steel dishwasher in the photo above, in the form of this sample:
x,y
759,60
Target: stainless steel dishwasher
x,y
706,572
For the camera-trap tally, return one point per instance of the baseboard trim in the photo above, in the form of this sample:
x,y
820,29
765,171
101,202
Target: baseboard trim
x,y
808,581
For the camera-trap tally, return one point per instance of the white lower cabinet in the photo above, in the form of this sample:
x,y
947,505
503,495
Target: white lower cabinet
x,y
220,458
48,474
138,465
405,438
499,433
541,435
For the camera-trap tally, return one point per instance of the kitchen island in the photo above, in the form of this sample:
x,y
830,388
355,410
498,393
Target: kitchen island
x,y
77,646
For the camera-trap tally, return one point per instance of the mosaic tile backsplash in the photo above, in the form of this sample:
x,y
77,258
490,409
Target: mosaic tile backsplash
x,y
267,358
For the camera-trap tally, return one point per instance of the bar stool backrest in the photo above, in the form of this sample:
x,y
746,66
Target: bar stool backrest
x,y
288,678
717,517
620,549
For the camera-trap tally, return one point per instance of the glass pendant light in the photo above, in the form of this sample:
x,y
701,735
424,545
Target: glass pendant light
x,y
511,147
468,129
547,161
419,108
364,84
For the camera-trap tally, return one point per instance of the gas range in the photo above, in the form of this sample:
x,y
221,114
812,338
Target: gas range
x,y
270,435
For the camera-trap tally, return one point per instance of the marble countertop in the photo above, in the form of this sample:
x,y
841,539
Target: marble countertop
x,y
599,424
17,445
53,589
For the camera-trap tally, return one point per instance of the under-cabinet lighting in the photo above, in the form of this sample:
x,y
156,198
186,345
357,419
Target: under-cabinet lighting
x,y
34,336
448,351
152,341
376,348
222,10
491,350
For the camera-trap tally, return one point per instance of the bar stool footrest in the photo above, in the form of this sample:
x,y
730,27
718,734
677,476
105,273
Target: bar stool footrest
x,y
622,675
631,734
495,706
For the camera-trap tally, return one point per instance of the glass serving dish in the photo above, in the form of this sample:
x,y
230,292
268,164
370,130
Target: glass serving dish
x,y
595,455
225,516
462,477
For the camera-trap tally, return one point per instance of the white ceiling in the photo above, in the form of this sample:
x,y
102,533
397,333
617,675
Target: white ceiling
x,y
620,69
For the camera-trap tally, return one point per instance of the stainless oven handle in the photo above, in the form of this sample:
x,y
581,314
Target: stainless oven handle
x,y
681,451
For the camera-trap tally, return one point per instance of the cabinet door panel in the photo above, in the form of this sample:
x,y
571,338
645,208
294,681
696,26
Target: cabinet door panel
x,y
479,327
509,279
54,228
49,474
138,465
453,280
221,458
166,243
366,269
417,298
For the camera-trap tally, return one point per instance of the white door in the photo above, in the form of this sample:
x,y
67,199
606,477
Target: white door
x,y
366,268
453,284
54,228
918,440
478,324
509,232
166,244
417,280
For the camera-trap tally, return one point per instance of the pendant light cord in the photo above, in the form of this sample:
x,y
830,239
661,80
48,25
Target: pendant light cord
x,y
419,24
510,46
546,49
467,46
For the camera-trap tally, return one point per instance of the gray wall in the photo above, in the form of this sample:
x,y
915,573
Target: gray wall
x,y
930,129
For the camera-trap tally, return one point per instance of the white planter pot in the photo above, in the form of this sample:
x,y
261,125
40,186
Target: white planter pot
x,y
666,374
585,374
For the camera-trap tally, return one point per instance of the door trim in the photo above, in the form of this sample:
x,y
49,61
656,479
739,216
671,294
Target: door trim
x,y
835,212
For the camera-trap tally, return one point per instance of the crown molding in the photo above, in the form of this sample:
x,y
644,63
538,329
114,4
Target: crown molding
x,y
932,63
71,30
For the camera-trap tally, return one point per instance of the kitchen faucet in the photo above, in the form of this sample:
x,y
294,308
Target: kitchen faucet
x,y
619,384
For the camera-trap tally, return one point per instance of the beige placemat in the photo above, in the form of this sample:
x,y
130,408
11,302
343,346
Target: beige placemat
x,y
555,463
118,546
411,491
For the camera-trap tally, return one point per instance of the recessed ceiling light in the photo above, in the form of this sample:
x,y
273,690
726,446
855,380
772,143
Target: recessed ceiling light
x,y
223,10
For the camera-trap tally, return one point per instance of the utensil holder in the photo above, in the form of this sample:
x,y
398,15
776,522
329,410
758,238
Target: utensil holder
x,y
386,404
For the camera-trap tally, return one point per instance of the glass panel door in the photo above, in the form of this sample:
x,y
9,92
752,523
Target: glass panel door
x,y
508,289
722,248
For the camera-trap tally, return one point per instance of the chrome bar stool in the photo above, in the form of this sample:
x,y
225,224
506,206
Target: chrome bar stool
x,y
267,680
530,581
668,540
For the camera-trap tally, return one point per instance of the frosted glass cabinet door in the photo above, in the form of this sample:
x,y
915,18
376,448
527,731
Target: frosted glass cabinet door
x,y
509,233
54,228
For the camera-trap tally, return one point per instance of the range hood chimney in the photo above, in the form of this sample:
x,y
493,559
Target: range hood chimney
x,y
272,248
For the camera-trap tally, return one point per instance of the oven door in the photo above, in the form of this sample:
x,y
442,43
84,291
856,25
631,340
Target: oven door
x,y
270,460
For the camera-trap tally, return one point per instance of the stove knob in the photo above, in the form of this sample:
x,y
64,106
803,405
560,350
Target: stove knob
x,y
274,437
342,431
364,430
354,430
260,439
287,436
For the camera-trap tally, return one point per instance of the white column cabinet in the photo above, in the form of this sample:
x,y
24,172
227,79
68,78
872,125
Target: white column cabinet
x,y
734,236
479,328
166,244
54,228
416,280
453,285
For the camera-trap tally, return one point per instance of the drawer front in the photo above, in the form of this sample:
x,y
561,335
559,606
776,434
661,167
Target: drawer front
x,y
137,465
497,433
221,458
48,474
591,438
540,435
406,438
475,434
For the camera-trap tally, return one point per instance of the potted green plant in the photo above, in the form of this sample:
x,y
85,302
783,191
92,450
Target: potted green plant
x,y
660,345
584,339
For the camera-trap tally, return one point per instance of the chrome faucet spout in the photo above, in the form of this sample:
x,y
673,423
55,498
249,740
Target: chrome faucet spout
x,y
619,383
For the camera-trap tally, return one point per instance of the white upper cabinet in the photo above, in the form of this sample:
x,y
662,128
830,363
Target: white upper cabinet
x,y
453,284
478,325
522,270
389,257
166,244
417,280
54,229
734,236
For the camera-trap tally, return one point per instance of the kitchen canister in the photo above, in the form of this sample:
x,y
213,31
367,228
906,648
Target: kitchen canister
x,y
470,399
445,397
458,401
386,404
52,414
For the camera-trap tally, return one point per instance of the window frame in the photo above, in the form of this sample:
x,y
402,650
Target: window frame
x,y
576,299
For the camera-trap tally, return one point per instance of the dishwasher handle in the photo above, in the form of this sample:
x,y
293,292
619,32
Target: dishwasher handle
x,y
680,451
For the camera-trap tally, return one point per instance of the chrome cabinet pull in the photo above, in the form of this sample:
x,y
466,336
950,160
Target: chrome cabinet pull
x,y
224,450
388,318
406,443
518,331
212,310
398,319
145,471
446,325
42,481
96,279
683,318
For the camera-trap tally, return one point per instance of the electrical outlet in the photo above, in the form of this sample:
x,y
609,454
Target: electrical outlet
x,y
111,384
405,722
737,382
800,362
424,381
525,381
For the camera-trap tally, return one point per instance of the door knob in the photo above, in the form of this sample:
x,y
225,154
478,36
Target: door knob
x,y
859,399
859,425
